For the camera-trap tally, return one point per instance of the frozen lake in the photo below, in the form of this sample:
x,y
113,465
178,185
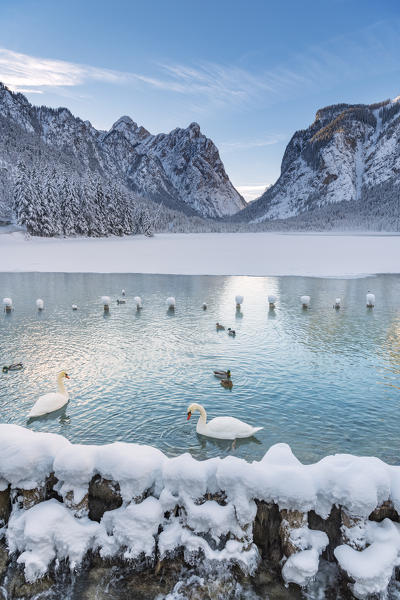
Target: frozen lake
x,y
324,381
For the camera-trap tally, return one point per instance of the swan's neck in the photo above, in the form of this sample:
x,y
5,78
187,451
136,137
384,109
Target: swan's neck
x,y
60,385
203,414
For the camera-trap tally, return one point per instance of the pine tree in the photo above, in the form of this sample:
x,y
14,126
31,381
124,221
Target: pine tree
x,y
51,184
67,206
100,208
22,204
36,217
88,204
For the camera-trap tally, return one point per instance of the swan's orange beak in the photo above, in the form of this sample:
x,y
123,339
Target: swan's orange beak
x,y
189,415
66,376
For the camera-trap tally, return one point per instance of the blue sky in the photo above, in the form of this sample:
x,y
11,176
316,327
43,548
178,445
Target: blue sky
x,y
250,73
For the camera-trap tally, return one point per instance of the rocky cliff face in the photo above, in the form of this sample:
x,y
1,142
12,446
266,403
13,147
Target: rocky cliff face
x,y
181,169
350,154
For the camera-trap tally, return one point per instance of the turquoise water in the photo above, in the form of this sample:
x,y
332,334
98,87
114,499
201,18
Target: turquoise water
x,y
324,381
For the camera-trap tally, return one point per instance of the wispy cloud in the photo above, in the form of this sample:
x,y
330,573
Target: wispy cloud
x,y
371,51
33,74
239,145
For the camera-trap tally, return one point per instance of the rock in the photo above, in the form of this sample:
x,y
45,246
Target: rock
x,y
331,526
4,560
81,508
353,530
32,497
291,519
385,511
103,495
5,505
266,531
18,588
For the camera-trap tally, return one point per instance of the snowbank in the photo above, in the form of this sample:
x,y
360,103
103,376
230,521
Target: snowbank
x,y
319,255
372,568
201,508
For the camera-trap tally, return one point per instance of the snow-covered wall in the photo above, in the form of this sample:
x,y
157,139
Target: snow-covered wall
x,y
58,501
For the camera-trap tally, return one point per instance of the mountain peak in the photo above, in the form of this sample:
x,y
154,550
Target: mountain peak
x,y
194,129
181,169
348,156
124,121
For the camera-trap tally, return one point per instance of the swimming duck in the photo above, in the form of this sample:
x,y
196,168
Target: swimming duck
x,y
13,367
223,428
227,383
53,401
121,301
231,332
220,327
223,374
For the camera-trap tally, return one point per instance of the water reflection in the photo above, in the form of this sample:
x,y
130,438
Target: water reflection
x,y
321,380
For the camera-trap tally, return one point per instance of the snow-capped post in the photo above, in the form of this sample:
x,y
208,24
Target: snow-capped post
x,y
74,307
305,301
204,306
370,300
39,304
106,303
138,301
271,301
337,303
7,303
239,300
170,302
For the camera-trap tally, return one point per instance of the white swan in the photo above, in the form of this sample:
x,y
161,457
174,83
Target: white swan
x,y
223,428
53,401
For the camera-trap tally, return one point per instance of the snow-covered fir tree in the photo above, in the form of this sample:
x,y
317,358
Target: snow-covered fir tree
x,y
50,202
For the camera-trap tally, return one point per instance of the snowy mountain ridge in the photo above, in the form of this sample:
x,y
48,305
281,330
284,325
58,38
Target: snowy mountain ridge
x,y
182,169
349,155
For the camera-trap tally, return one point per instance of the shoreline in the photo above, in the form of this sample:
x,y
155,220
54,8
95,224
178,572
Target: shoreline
x,y
240,254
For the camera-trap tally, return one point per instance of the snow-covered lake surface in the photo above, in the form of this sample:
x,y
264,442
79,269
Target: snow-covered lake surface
x,y
317,255
322,380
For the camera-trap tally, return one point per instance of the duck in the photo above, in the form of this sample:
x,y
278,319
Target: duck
x,y
53,401
121,301
219,327
222,428
227,383
13,367
223,374
231,332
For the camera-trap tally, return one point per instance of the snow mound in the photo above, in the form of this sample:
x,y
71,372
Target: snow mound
x,y
201,508
48,531
372,568
26,458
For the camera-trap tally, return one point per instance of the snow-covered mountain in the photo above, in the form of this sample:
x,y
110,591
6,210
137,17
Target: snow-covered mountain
x,y
349,156
182,169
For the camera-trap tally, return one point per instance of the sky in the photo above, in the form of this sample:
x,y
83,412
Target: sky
x,y
250,73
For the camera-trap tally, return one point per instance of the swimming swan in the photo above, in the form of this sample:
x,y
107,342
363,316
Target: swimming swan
x,y
53,401
223,428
